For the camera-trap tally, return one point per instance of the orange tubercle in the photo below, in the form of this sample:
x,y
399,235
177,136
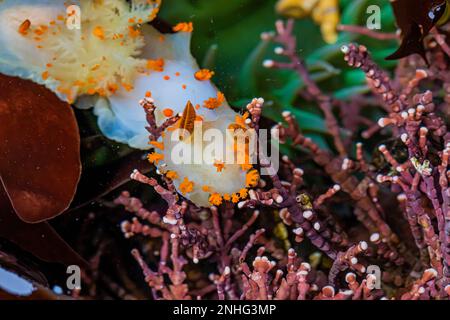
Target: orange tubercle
x,y
112,87
172,175
219,166
186,186
99,32
252,178
235,198
214,103
215,199
156,65
155,157
157,144
203,75
127,87
183,27
168,112
133,32
243,193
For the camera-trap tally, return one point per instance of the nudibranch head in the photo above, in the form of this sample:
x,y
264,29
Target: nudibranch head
x,y
212,180
112,61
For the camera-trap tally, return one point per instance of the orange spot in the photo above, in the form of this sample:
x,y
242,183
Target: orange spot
x,y
45,75
39,32
95,67
206,188
235,198
186,186
252,178
101,92
24,26
148,94
240,120
166,78
49,65
112,87
243,193
172,175
184,27
215,199
168,112
203,75
177,74
156,65
226,197
99,32
127,87
197,106
219,166
133,33
184,87
246,166
155,157
162,38
157,144
214,103
78,83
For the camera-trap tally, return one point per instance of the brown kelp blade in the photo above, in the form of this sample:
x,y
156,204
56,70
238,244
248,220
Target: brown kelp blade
x,y
415,18
412,43
39,239
39,149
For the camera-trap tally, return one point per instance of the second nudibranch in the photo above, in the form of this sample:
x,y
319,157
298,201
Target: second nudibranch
x,y
324,12
113,61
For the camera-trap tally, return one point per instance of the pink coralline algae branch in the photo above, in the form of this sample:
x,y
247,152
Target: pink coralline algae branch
x,y
286,240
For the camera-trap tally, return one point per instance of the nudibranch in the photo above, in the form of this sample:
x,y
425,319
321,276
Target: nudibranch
x,y
110,61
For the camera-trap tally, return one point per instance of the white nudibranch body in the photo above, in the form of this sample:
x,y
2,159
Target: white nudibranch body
x,y
113,61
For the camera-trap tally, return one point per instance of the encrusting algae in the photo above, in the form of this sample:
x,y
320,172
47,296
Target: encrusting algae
x,y
111,61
